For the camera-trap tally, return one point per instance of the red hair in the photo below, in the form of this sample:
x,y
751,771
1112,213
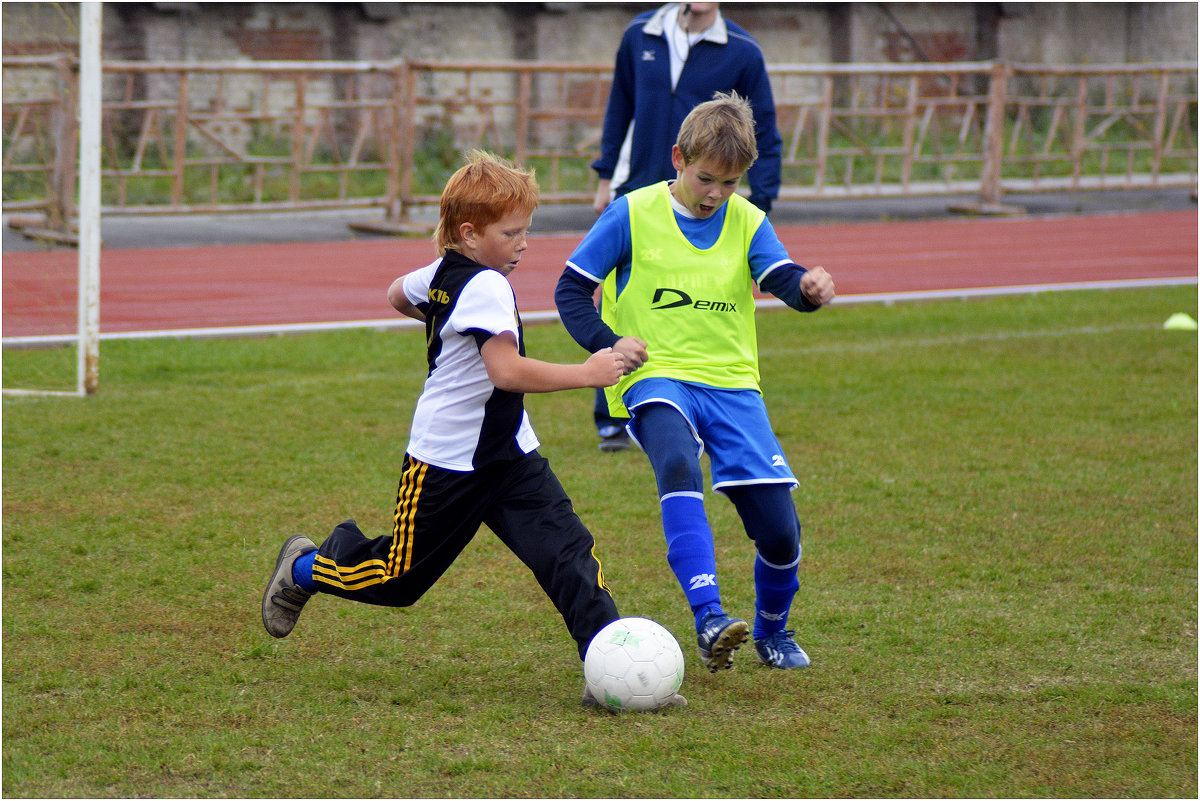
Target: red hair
x,y
481,192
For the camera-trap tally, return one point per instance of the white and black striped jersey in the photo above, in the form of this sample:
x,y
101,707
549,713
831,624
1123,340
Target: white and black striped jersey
x,y
462,420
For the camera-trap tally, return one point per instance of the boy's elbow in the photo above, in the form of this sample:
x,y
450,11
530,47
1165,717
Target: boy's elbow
x,y
506,377
402,304
397,298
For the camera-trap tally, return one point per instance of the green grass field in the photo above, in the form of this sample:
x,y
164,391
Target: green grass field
x,y
999,591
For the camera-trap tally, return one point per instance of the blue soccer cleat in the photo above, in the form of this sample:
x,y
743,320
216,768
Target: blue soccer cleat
x,y
779,650
719,637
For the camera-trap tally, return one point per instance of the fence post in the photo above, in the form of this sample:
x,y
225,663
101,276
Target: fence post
x,y
299,134
990,191
395,212
524,93
824,123
60,206
401,150
1079,130
1160,125
182,114
910,120
408,142
993,151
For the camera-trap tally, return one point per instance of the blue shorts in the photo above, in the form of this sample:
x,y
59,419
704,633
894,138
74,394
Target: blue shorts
x,y
731,425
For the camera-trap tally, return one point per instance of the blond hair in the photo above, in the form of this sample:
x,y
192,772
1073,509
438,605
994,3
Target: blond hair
x,y
483,191
721,130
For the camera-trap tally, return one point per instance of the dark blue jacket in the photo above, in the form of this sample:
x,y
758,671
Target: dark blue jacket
x,y
641,92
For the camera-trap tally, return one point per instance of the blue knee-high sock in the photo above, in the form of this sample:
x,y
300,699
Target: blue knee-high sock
x,y
302,571
775,587
690,551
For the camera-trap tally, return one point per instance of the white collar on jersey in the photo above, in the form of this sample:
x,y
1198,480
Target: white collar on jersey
x,y
657,24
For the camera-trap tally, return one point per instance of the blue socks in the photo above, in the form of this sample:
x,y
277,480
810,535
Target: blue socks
x,y
302,570
770,519
690,551
692,557
776,586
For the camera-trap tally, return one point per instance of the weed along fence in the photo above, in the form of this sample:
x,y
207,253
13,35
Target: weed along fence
x,y
270,136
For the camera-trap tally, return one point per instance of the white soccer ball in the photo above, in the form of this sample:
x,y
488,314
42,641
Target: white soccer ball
x,y
633,663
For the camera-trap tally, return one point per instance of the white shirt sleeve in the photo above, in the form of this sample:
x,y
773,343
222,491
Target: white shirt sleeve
x,y
416,284
487,303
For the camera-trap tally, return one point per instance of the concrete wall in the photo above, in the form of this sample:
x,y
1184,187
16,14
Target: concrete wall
x,y
1098,33
790,33
912,32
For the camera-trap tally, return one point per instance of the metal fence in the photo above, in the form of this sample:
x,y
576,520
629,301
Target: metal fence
x,y
259,136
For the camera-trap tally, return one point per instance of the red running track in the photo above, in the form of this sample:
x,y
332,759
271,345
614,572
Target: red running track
x,y
255,285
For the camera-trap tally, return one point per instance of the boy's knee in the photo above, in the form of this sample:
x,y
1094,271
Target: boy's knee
x,y
678,472
770,519
779,551
667,439
781,545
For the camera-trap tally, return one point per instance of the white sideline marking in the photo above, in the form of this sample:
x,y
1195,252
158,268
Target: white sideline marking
x,y
550,316
992,291
892,343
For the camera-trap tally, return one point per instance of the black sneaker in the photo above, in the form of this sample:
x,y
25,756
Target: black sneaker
x,y
283,600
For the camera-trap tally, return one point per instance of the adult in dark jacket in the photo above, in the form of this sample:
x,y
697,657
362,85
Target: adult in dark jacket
x,y
670,61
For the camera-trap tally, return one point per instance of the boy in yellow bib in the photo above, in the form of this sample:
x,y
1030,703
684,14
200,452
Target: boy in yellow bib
x,y
677,263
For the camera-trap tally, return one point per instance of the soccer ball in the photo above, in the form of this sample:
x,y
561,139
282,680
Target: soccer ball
x,y
633,663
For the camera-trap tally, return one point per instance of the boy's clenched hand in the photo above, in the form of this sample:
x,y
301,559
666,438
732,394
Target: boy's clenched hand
x,y
817,286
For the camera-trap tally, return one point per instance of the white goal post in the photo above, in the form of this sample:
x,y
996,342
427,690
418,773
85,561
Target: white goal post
x,y
88,331
91,17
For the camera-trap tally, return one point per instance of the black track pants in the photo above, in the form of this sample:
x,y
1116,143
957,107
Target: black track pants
x,y
439,511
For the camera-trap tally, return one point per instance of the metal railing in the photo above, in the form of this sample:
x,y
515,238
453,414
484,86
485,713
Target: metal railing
x,y
259,136
985,128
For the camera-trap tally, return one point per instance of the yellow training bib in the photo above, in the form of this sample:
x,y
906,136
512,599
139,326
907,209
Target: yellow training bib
x,y
694,308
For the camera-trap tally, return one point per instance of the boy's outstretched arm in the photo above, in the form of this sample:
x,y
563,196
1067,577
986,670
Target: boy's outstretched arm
x,y
511,371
